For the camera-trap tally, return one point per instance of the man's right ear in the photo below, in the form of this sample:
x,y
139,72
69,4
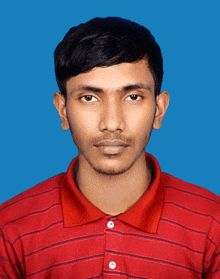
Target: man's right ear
x,y
60,104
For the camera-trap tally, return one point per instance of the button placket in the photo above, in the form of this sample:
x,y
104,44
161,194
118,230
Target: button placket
x,y
111,260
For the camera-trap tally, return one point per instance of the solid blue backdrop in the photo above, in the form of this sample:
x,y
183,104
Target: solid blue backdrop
x,y
33,145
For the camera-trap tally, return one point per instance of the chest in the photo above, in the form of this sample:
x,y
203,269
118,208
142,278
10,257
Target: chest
x,y
111,249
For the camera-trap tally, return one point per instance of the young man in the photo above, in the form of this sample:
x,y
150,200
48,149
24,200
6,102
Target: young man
x,y
113,213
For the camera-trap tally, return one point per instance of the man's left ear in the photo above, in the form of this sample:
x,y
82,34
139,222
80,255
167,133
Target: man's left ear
x,y
162,102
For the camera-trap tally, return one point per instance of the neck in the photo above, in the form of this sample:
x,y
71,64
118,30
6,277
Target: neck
x,y
113,194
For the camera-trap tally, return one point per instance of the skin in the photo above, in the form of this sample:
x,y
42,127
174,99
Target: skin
x,y
101,106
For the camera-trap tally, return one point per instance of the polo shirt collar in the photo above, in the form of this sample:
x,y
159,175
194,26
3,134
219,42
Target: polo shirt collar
x,y
144,214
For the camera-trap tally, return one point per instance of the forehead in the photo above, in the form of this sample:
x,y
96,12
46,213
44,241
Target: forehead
x,y
114,77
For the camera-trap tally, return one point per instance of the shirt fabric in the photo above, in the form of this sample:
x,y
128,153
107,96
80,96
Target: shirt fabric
x,y
52,231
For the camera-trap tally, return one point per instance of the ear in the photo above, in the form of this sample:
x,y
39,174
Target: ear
x,y
60,104
162,102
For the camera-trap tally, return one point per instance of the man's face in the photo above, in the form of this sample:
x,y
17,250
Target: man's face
x,y
112,103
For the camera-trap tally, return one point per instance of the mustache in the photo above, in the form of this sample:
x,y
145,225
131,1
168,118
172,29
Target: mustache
x,y
112,138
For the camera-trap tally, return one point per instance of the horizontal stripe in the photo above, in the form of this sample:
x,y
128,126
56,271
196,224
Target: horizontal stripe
x,y
94,277
65,263
35,195
156,238
1,235
184,191
37,231
126,274
8,261
60,243
211,272
4,259
199,213
153,259
178,224
190,229
32,213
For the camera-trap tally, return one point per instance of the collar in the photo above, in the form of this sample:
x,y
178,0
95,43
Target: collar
x,y
144,214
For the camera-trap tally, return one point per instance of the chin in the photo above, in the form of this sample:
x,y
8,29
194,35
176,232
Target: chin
x,y
111,168
110,171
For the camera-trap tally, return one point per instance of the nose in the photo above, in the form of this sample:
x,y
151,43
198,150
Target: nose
x,y
112,118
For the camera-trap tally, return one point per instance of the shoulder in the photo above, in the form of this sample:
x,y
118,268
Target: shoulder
x,y
32,200
192,214
193,197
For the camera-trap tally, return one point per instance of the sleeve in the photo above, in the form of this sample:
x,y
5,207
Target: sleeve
x,y
212,268
9,267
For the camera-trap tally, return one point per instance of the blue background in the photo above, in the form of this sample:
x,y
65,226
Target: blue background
x,y
33,145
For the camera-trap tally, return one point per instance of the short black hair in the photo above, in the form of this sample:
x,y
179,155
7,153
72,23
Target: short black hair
x,y
105,42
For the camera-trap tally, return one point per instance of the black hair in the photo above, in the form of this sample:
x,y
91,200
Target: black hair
x,y
106,42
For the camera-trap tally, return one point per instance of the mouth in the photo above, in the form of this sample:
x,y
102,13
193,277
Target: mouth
x,y
111,143
112,149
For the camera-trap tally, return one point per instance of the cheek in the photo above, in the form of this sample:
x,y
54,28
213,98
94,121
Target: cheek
x,y
141,120
140,126
82,124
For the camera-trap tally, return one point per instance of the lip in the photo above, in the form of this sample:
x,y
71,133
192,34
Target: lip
x,y
108,143
110,149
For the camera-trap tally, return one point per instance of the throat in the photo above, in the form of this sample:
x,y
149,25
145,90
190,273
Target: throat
x,y
116,194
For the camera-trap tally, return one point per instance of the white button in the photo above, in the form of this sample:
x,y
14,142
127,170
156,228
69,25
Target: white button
x,y
110,224
112,265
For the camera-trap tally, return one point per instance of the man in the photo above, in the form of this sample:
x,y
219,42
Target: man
x,y
113,213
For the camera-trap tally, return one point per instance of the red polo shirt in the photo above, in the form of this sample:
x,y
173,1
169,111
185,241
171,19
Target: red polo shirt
x,y
53,231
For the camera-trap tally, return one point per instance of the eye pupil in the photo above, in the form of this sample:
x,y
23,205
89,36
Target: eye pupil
x,y
134,96
88,97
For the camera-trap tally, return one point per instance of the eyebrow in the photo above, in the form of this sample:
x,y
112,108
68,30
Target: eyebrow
x,y
125,88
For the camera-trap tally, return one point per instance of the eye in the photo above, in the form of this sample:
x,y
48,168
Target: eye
x,y
87,98
134,97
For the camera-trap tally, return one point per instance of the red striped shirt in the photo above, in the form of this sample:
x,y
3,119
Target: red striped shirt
x,y
52,231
